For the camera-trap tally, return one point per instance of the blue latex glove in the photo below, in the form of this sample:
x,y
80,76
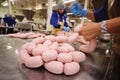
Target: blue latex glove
x,y
65,29
77,9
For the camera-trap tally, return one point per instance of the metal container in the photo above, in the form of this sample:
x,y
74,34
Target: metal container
x,y
105,37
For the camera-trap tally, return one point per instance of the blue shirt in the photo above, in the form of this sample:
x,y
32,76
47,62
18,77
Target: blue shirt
x,y
55,18
102,12
9,20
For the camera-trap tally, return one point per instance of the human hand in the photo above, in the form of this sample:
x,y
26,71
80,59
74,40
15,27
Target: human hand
x,y
90,30
77,9
65,28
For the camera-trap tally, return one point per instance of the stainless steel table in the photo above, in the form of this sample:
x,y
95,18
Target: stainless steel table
x,y
94,68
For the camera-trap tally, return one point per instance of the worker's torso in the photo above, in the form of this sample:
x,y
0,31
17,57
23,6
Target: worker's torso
x,y
114,11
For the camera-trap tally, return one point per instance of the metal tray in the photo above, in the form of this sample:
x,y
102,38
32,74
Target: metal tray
x,y
94,68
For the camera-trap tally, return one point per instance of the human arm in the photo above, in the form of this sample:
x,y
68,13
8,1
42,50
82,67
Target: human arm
x,y
102,13
54,20
97,16
92,30
113,25
90,15
65,27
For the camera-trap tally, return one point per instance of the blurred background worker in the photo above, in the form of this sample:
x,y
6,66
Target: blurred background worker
x,y
107,21
9,20
58,18
10,23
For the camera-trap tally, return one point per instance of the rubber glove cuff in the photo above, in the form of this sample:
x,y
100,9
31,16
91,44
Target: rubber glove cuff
x,y
65,29
84,12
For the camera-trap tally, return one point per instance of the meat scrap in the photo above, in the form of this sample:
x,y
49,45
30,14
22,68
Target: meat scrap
x,y
28,35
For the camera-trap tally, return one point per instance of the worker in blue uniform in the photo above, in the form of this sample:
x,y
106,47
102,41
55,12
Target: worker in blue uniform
x,y
9,20
10,23
58,18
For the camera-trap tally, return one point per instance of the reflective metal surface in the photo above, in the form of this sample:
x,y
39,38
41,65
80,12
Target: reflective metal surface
x,y
94,68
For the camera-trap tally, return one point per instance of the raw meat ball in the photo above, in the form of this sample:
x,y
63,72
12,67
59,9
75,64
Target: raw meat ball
x,y
64,57
78,56
39,45
38,40
30,47
67,34
71,68
84,48
51,38
54,67
61,39
68,46
90,47
47,43
82,40
40,49
37,51
23,55
73,37
63,49
34,62
54,46
49,55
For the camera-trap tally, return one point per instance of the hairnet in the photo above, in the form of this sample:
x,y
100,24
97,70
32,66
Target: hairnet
x,y
61,5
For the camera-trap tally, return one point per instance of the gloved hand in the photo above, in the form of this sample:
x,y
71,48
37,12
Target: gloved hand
x,y
65,28
77,9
